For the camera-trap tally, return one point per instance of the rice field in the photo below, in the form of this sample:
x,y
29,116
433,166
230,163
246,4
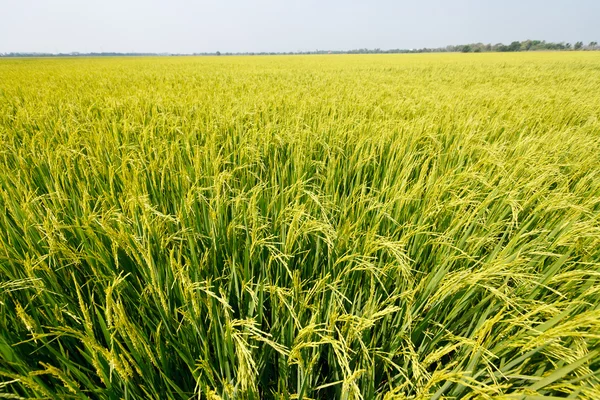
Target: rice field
x,y
303,227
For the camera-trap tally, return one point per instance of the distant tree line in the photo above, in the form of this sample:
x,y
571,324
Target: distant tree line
x,y
525,45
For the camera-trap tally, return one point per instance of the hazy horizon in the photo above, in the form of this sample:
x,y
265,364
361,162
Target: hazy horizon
x,y
267,26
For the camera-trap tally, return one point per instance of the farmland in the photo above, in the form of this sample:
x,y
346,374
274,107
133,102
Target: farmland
x,y
303,227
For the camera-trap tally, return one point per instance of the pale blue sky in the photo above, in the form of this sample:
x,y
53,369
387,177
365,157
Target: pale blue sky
x,y
187,26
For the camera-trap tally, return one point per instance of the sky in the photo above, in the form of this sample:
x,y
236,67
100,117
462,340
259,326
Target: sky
x,y
194,26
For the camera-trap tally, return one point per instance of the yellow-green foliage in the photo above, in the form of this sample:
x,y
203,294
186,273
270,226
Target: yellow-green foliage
x,y
390,226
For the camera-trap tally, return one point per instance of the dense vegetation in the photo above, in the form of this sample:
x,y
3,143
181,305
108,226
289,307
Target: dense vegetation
x,y
525,45
398,227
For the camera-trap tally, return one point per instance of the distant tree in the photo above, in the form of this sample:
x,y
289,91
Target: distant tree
x,y
514,46
578,45
218,53
593,45
526,45
499,47
467,48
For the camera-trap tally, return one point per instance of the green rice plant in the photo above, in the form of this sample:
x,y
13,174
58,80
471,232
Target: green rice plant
x,y
348,227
